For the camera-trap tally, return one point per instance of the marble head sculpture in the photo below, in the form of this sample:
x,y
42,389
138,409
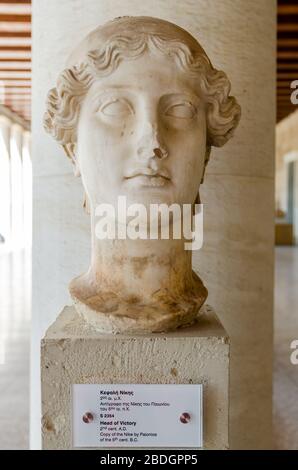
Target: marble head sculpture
x,y
137,110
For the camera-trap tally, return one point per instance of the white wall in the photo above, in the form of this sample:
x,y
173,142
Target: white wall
x,y
237,259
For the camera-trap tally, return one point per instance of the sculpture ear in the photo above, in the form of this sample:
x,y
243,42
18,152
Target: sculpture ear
x,y
70,150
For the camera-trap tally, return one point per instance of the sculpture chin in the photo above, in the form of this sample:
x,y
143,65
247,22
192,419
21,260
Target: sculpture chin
x,y
112,313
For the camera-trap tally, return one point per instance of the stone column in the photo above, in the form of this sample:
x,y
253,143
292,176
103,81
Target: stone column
x,y
5,207
27,215
16,175
236,261
27,188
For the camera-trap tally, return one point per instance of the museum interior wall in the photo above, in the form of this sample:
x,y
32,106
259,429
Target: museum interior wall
x,y
15,182
236,261
15,277
286,194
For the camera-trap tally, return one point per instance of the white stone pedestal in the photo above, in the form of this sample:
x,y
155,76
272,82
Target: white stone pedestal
x,y
72,352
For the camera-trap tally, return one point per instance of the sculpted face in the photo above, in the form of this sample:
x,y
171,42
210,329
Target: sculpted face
x,y
142,134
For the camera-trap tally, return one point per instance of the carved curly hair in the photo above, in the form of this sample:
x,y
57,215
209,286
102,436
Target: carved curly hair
x,y
63,102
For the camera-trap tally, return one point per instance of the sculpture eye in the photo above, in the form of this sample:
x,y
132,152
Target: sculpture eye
x,y
181,111
117,108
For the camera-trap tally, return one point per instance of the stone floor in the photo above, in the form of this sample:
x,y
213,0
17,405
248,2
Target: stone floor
x,y
286,330
15,286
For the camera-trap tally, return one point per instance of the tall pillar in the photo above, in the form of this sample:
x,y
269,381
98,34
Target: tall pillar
x,y
236,261
27,217
5,207
16,178
27,188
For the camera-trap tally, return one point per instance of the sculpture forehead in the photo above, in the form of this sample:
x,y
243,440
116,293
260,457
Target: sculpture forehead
x,y
131,26
154,76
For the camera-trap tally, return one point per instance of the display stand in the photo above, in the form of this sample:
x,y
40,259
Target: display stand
x,y
72,352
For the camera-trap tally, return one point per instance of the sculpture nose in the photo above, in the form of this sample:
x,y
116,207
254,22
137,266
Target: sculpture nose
x,y
150,145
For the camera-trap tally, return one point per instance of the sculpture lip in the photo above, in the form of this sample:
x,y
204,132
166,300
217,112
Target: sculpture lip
x,y
148,172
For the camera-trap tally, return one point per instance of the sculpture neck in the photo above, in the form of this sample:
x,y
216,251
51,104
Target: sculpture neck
x,y
140,268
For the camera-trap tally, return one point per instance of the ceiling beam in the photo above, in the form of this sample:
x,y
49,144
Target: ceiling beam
x,y
287,54
287,9
22,67
285,75
15,18
287,101
15,58
287,66
284,42
285,27
15,48
15,1
12,88
282,107
15,34
284,83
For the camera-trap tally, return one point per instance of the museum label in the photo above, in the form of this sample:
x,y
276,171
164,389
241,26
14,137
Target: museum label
x,y
137,415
